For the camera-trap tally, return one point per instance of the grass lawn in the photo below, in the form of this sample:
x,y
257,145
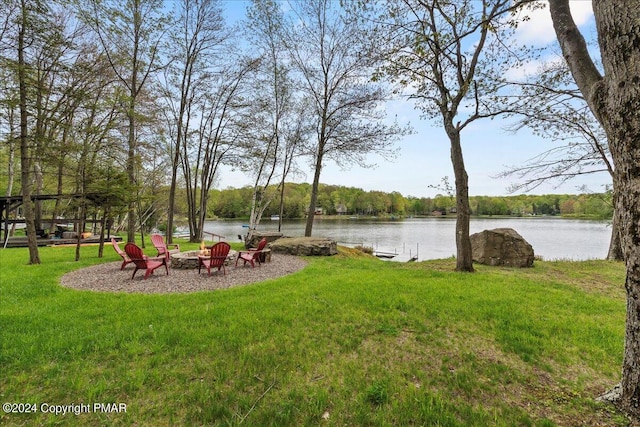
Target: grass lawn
x,y
349,341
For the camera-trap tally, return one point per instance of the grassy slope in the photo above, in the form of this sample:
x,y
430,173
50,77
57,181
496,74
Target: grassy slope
x,y
347,341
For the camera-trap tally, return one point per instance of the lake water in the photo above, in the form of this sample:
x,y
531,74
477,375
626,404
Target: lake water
x,y
433,238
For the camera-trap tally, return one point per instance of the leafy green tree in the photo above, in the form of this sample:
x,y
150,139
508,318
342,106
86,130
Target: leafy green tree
x,y
324,200
223,115
334,61
130,33
279,122
32,48
26,29
450,57
398,203
194,42
443,203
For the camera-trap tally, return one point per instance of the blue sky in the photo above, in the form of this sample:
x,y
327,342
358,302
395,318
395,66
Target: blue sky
x,y
423,157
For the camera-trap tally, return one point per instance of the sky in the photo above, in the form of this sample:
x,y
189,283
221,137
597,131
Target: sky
x,y
423,157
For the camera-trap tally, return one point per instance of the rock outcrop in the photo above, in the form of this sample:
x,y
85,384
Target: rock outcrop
x,y
501,246
255,238
305,246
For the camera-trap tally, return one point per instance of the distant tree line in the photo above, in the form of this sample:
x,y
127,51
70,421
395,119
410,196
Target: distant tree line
x,y
340,200
351,201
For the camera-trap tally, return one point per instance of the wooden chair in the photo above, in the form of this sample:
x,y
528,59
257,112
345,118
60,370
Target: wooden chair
x,y
162,247
143,262
216,258
125,258
252,255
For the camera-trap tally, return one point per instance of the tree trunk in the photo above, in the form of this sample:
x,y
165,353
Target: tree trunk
x,y
198,231
29,214
131,137
81,226
102,227
619,38
172,203
11,154
174,179
131,161
39,181
615,101
259,203
630,228
615,245
464,259
281,209
175,163
314,194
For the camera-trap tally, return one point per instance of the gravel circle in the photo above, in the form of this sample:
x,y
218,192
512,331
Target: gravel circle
x,y
109,278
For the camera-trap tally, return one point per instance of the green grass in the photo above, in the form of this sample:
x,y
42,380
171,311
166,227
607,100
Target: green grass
x,y
346,341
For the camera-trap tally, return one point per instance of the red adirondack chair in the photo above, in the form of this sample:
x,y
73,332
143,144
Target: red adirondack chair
x,y
215,259
142,261
162,247
252,255
125,258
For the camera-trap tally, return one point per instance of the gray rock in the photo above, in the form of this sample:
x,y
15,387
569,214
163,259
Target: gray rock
x,y
255,238
501,246
612,396
305,246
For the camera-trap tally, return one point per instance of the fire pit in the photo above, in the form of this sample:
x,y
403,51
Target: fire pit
x,y
189,259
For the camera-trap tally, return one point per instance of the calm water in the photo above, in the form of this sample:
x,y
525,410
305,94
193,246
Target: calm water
x,y
432,238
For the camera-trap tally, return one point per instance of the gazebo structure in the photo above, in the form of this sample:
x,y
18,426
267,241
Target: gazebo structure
x,y
9,204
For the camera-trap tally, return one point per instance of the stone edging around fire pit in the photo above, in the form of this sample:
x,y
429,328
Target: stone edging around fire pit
x,y
189,259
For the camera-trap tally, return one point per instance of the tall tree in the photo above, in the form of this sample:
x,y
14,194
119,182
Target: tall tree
x,y
130,32
31,47
296,133
222,118
9,94
450,56
88,132
24,27
335,64
65,83
196,39
278,125
614,99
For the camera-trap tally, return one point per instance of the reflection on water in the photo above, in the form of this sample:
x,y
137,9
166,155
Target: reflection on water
x,y
432,238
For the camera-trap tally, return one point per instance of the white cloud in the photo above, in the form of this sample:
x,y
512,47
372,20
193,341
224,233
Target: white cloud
x,y
531,68
539,28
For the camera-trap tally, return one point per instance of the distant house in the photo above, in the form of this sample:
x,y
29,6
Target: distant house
x,y
341,209
317,211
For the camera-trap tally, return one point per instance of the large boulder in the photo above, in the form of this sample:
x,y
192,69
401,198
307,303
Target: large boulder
x,y
501,246
256,236
305,246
